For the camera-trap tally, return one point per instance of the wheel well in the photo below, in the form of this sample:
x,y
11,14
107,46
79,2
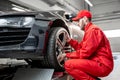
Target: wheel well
x,y
59,23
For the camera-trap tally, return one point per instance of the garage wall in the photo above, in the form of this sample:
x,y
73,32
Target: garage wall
x,y
115,74
112,24
109,24
105,6
77,4
106,14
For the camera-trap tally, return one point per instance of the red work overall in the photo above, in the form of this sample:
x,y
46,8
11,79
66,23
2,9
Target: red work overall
x,y
92,56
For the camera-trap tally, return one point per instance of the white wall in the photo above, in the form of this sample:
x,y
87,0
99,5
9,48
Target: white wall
x,y
115,74
105,6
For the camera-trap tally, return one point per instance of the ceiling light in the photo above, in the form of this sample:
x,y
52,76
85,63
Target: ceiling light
x,y
112,33
90,4
18,9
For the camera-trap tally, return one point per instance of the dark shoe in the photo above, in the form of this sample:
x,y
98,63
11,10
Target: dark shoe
x,y
98,79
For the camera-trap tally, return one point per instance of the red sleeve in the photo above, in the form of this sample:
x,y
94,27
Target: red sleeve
x,y
89,45
72,55
75,44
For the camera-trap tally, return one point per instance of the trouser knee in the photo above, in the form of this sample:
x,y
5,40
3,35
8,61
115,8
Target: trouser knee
x,y
68,66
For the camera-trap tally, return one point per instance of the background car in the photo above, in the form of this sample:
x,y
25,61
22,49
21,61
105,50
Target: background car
x,y
37,37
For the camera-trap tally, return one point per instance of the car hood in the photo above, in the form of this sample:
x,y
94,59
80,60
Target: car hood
x,y
48,15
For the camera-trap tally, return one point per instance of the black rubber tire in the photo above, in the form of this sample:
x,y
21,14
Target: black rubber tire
x,y
52,48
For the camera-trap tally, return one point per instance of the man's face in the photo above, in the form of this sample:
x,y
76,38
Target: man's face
x,y
80,23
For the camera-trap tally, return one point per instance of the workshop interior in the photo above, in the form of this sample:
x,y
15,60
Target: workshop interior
x,y
32,36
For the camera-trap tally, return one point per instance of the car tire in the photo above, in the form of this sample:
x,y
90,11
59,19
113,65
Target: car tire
x,y
56,45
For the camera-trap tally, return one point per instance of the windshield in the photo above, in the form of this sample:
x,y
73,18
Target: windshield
x,y
17,21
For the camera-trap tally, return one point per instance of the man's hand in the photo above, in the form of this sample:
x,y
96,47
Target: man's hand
x,y
67,37
61,57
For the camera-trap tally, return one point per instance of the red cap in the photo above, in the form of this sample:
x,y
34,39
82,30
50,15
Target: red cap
x,y
81,14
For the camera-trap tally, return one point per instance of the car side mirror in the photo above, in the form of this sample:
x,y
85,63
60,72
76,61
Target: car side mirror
x,y
69,17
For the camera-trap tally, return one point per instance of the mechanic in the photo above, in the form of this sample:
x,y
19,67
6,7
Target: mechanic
x,y
92,57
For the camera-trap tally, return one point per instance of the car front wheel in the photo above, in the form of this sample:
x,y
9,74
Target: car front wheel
x,y
57,45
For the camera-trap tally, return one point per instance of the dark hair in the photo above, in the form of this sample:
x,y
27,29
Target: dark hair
x,y
90,19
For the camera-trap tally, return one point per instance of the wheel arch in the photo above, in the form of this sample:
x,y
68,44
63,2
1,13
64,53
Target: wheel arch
x,y
59,23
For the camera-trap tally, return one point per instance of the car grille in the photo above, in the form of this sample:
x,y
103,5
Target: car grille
x,y
12,36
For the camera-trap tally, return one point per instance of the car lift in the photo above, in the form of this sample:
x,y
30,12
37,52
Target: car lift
x,y
28,73
39,74
12,73
33,74
24,72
